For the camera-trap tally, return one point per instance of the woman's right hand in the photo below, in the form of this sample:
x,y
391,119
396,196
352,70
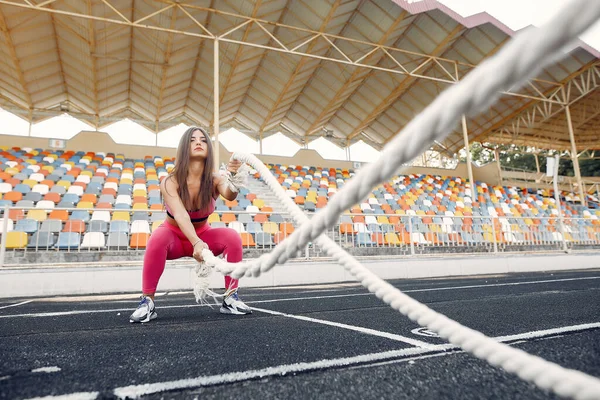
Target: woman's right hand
x,y
198,250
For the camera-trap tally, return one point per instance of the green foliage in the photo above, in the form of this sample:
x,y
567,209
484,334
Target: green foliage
x,y
519,158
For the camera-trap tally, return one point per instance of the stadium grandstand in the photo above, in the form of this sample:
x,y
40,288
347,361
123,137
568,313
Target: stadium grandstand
x,y
347,71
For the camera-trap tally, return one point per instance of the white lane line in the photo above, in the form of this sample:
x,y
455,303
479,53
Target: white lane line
x,y
78,312
70,396
398,338
46,369
18,304
548,332
135,391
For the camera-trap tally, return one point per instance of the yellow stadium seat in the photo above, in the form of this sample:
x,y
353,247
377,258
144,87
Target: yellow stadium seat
x,y
85,204
29,182
382,219
156,224
121,216
258,203
16,240
214,217
140,206
140,193
65,184
270,227
38,215
392,238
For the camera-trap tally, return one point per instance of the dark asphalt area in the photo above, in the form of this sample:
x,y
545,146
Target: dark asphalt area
x,y
326,341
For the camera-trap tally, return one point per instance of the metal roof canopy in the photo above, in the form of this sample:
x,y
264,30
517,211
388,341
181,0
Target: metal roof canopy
x,y
346,69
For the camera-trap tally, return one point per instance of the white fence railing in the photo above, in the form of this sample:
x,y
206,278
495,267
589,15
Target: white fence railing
x,y
30,230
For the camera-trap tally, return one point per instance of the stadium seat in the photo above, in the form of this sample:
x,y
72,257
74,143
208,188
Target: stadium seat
x,y
72,225
68,240
286,227
237,226
119,226
37,215
247,239
270,227
16,240
245,218
42,240
51,225
139,240
117,240
253,227
156,224
140,227
97,226
121,216
9,225
363,239
264,239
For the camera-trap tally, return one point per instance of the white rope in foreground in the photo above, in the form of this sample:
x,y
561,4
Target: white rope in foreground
x,y
522,58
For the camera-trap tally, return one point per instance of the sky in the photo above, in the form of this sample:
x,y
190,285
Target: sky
x,y
516,14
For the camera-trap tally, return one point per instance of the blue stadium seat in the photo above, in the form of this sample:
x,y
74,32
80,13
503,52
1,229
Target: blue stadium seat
x,y
68,240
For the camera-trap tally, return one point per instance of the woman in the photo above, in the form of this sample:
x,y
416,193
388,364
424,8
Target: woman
x,y
189,194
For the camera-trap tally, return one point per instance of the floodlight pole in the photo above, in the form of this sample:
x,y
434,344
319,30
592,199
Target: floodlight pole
x,y
574,157
468,151
217,147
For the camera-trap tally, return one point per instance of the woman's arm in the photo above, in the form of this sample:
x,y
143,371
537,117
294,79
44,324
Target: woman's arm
x,y
222,188
168,188
221,184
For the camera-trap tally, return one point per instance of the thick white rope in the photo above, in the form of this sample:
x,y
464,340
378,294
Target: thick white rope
x,y
521,59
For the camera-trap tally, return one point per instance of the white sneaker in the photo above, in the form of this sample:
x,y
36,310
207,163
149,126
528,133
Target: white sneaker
x,y
233,305
144,312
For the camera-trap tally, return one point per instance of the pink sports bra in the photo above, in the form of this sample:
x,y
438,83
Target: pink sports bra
x,y
196,215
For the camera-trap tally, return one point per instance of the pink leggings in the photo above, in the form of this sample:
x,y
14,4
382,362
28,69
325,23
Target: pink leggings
x,y
167,242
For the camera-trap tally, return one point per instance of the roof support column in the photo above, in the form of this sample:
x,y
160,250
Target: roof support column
x,y
348,150
574,157
468,151
537,162
260,140
497,157
217,145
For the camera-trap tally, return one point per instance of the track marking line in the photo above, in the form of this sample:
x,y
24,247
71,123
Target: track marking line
x,y
372,359
46,369
373,332
17,304
78,312
70,396
135,391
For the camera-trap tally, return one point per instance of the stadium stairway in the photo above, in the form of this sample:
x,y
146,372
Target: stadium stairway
x,y
263,192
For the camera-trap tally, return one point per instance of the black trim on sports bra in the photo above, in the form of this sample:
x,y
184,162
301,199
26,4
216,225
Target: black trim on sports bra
x,y
192,219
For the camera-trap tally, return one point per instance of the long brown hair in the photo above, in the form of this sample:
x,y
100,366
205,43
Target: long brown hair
x,y
180,172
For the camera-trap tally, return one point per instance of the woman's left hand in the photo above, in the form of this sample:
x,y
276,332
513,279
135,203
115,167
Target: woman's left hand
x,y
233,166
